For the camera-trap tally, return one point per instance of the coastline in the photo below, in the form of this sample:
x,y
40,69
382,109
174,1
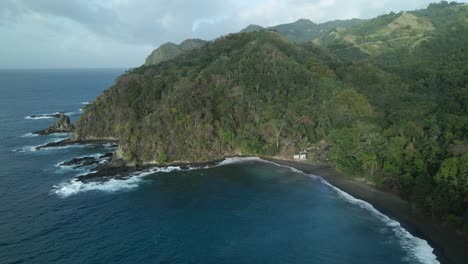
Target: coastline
x,y
449,246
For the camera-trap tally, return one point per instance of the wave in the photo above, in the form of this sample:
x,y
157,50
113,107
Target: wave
x,y
75,186
96,155
418,249
26,149
52,115
29,135
56,137
42,116
85,103
234,160
61,147
74,113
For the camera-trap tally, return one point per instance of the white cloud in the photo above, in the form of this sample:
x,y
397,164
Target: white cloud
x,y
210,21
107,33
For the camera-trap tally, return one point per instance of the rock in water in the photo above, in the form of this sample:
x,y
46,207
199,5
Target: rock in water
x,y
63,125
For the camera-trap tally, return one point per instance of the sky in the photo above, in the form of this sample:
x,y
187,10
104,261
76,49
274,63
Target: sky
x,y
43,34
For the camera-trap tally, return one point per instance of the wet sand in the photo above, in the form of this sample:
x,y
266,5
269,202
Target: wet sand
x,y
449,246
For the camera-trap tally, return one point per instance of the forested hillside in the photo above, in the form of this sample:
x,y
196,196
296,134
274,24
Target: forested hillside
x,y
169,51
387,97
304,30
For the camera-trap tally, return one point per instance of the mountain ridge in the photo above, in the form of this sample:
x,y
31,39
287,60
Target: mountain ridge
x,y
169,50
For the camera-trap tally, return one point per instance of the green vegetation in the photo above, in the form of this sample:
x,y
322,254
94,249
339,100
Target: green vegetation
x,y
169,51
388,96
304,30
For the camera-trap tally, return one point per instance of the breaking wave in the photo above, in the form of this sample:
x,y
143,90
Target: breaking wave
x,y
418,249
74,113
29,135
96,156
52,115
42,116
233,160
55,137
75,186
27,149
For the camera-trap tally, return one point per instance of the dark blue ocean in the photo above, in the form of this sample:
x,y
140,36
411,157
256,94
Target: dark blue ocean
x,y
243,211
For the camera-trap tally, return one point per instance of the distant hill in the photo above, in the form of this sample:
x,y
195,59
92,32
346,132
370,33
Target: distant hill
x,y
170,50
252,28
305,30
300,31
398,33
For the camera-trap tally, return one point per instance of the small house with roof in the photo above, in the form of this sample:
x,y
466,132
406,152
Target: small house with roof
x,y
301,155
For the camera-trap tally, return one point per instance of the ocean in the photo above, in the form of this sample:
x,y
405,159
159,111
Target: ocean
x,y
240,211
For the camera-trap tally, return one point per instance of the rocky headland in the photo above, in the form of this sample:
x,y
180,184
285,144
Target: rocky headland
x,y
63,125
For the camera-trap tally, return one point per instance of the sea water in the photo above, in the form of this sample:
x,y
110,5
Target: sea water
x,y
241,211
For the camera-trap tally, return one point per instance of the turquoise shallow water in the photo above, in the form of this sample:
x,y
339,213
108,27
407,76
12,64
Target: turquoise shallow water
x,y
243,211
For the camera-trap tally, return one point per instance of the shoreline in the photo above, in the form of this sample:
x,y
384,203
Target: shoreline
x,y
449,246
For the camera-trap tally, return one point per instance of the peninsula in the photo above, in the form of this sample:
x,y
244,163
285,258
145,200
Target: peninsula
x,y
383,99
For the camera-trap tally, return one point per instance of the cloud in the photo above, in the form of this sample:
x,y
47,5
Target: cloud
x,y
114,33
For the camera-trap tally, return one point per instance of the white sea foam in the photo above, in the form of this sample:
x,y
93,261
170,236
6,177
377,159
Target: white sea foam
x,y
418,249
96,155
51,115
62,147
29,135
27,149
238,160
74,113
85,103
75,186
41,116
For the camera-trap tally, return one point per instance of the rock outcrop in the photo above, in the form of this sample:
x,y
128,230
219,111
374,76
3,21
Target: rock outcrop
x,y
86,161
63,125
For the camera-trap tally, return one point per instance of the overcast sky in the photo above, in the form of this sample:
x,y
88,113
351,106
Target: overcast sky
x,y
121,33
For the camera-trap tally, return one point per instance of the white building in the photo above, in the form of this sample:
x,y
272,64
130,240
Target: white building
x,y
301,156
